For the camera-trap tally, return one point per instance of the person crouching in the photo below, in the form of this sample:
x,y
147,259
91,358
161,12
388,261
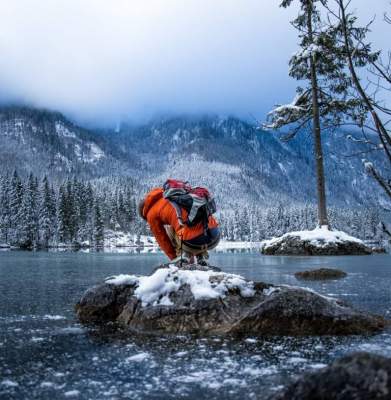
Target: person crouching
x,y
183,226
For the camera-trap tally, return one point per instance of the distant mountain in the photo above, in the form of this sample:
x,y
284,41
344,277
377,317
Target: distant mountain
x,y
47,143
239,162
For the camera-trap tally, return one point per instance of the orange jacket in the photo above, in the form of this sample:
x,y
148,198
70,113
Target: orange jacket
x,y
160,212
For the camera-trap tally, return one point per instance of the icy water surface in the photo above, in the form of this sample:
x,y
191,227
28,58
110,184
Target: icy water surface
x,y
46,354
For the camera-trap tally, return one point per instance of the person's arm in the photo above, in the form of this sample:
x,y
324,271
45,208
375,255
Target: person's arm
x,y
158,230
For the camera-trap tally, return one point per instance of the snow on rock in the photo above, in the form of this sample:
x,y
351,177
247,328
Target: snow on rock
x,y
319,236
156,288
319,241
122,279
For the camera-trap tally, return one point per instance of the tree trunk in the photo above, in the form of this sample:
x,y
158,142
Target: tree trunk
x,y
320,177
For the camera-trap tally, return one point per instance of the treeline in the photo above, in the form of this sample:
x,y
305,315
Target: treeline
x,y
36,214
259,223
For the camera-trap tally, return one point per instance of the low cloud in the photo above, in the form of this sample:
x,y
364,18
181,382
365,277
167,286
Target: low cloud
x,y
100,61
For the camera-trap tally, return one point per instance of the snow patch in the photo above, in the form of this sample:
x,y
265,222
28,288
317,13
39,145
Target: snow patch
x,y
308,52
72,393
138,357
53,317
156,288
122,279
36,339
72,330
320,236
96,153
9,383
63,131
270,290
317,365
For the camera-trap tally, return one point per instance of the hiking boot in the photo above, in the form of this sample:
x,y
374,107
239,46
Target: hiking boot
x,y
182,260
201,260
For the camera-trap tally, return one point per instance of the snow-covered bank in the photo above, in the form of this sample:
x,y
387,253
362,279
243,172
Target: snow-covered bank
x,y
119,241
320,241
230,245
125,239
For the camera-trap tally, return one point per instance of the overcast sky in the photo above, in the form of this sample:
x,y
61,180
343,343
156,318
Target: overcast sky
x,y
100,61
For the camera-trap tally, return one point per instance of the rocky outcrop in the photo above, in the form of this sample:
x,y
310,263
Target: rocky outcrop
x,y
360,376
300,245
320,274
174,300
379,250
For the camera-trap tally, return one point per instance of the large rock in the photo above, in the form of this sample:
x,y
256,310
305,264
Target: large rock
x,y
174,300
319,242
360,376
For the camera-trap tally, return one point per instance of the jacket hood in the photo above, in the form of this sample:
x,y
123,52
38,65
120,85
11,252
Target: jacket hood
x,y
150,199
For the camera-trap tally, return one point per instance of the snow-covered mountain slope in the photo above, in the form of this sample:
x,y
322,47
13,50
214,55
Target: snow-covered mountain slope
x,y
47,143
237,161
242,163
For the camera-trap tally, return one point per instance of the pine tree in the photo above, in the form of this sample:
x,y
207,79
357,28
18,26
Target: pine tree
x,y
29,227
15,207
46,213
72,210
62,216
5,215
324,102
98,227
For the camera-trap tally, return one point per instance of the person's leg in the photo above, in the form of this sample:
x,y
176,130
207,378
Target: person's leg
x,y
183,253
199,246
174,239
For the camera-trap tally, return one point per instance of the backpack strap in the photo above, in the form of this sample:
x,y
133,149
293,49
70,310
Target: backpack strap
x,y
178,212
197,203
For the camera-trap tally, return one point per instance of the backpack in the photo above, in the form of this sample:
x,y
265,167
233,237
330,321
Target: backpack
x,y
198,202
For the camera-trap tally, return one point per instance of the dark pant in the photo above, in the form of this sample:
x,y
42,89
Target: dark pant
x,y
196,246
206,241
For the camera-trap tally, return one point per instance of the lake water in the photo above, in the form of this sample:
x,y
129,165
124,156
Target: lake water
x,y
46,354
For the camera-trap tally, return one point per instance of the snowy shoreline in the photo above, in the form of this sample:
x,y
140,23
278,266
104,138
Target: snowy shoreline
x,y
118,241
144,243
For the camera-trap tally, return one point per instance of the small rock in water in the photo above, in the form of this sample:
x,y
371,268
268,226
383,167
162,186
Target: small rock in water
x,y
359,376
321,273
379,250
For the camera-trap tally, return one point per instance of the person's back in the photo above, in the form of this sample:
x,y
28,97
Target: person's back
x,y
178,239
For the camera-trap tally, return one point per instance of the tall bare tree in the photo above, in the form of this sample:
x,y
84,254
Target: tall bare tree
x,y
357,50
